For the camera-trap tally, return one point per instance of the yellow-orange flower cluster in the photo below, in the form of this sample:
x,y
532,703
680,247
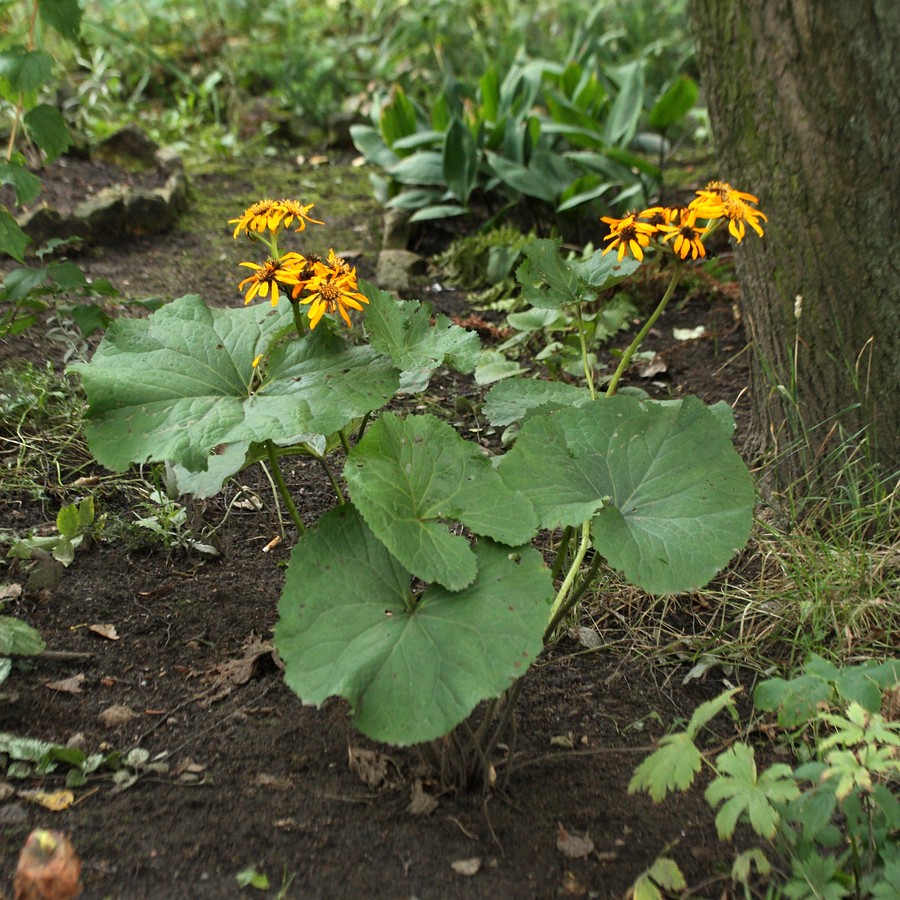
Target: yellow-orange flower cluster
x,y
718,200
326,286
273,215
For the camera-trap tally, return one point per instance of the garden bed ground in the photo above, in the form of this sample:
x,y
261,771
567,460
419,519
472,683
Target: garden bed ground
x,y
255,779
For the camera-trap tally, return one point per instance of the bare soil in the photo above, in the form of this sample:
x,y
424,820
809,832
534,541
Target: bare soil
x,y
256,779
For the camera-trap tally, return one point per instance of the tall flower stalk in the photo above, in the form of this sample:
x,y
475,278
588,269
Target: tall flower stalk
x,y
674,231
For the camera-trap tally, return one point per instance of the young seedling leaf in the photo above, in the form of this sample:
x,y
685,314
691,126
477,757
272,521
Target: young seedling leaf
x,y
180,383
411,667
747,795
671,499
669,768
409,477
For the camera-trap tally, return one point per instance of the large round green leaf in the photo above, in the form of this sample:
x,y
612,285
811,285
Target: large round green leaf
x,y
410,477
670,498
182,382
411,668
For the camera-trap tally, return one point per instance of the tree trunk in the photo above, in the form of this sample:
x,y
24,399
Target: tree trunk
x,y
804,100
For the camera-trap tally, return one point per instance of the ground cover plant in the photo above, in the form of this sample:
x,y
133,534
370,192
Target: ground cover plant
x,y
494,600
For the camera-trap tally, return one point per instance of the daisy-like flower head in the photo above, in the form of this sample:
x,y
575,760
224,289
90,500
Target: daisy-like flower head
x,y
266,278
658,215
294,210
339,265
687,234
711,202
261,215
737,212
628,235
330,291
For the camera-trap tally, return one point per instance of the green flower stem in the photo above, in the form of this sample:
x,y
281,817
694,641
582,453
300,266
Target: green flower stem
x,y
561,552
639,338
362,427
298,318
344,442
337,488
560,606
282,487
588,372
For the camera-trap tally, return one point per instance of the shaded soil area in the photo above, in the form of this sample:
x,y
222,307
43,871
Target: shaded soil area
x,y
239,774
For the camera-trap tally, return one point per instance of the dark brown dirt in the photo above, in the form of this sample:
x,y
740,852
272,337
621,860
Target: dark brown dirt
x,y
255,779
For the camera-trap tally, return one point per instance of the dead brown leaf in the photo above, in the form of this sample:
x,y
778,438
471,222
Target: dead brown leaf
x,y
48,868
369,766
573,846
10,591
105,630
258,654
55,801
278,782
420,803
67,685
115,716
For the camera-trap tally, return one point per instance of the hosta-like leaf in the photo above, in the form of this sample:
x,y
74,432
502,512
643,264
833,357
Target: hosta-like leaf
x,y
181,382
670,498
411,668
409,477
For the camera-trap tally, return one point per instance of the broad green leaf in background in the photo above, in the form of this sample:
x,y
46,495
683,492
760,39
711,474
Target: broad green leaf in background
x,y
602,271
47,128
18,638
460,160
547,280
25,70
494,366
402,330
671,499
398,117
423,167
511,400
674,104
628,105
411,667
62,15
409,477
181,382
26,185
12,239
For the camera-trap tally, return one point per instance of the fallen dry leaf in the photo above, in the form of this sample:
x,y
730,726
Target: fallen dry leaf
x,y
224,677
55,801
105,630
371,767
10,591
48,868
571,845
466,866
656,366
420,803
115,715
278,782
67,685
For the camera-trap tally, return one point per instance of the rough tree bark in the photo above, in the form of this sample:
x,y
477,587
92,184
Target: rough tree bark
x,y
804,100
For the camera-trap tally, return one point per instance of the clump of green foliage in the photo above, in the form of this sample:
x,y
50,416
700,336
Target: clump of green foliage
x,y
831,822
